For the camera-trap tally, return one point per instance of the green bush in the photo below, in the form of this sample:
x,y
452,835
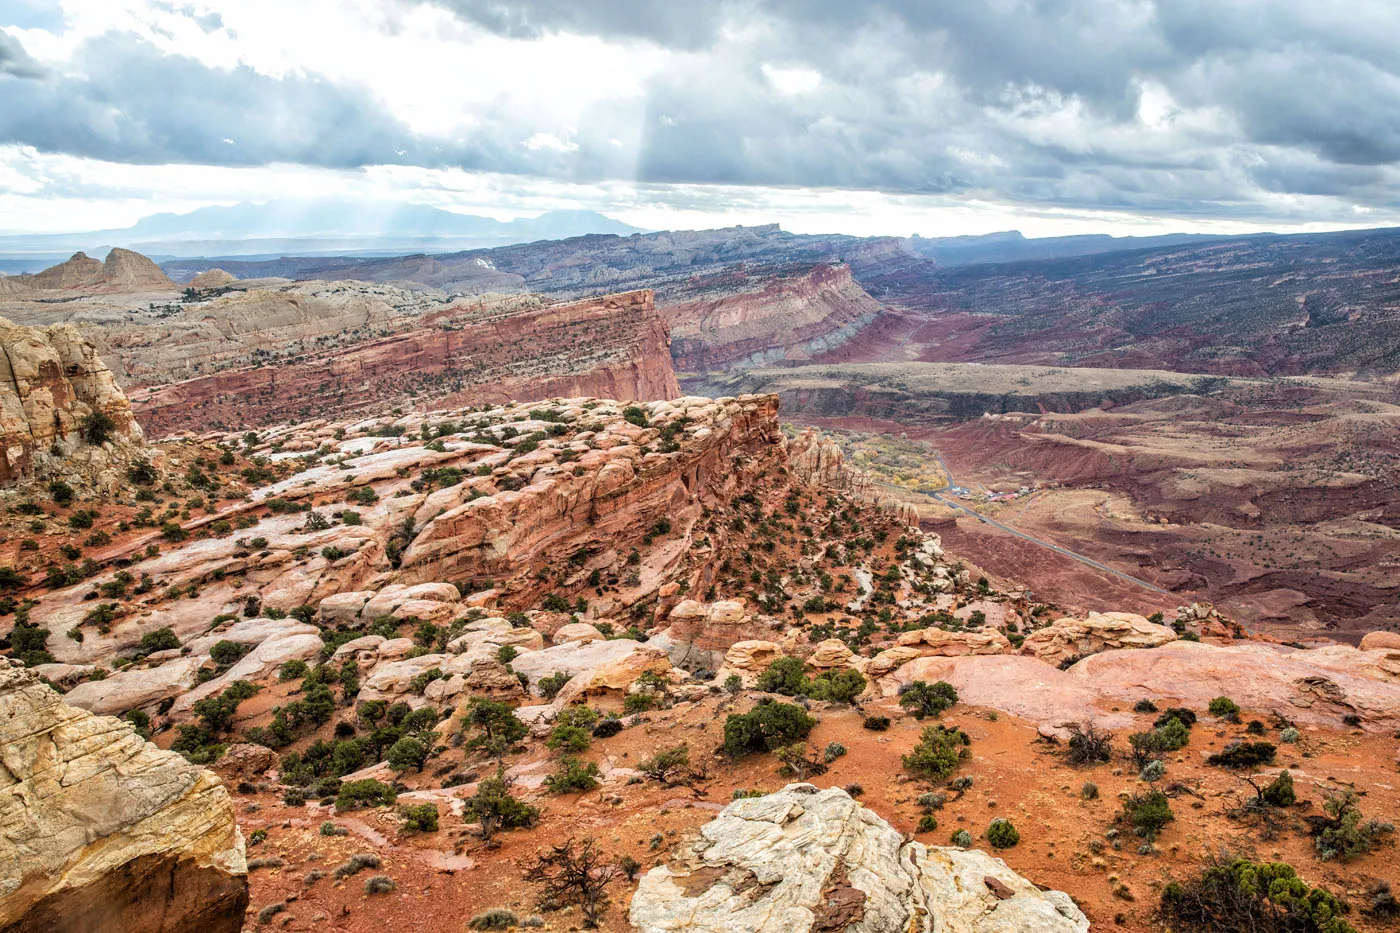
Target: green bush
x,y
938,753
924,699
227,652
406,753
767,727
420,818
162,639
551,685
364,793
841,686
494,809
1238,894
1147,813
573,775
291,670
927,823
1344,832
1001,834
1281,792
962,839
1244,755
1224,708
785,676
876,723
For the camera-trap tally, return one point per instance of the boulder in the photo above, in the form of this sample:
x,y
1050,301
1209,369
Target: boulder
x,y
365,650
135,687
101,831
244,760
1068,640
935,642
803,860
390,679
830,654
594,666
577,632
1377,641
748,659
257,665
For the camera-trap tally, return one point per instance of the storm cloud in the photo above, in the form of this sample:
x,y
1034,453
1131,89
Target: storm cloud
x,y
1186,107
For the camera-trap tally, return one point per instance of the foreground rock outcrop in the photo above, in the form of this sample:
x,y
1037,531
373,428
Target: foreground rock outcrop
x,y
102,832
804,860
60,406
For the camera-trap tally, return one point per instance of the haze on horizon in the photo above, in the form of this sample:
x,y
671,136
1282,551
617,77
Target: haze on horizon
x,y
893,117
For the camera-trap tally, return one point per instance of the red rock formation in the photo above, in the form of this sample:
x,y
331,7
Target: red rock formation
x,y
610,347
762,317
608,497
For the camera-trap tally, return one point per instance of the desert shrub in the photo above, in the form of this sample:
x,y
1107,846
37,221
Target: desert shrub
x,y
876,723
494,809
379,884
271,910
1290,736
1344,832
638,703
1281,792
841,686
419,818
573,775
784,676
834,750
1181,714
1001,834
927,823
364,793
766,727
1144,706
497,918
551,685
932,800
924,699
162,639
1147,813
573,873
732,684
1088,746
607,728
572,730
1223,707
962,839
356,864
1263,897
331,829
291,670
666,765
494,726
406,753
227,652
938,753
1154,770
1244,755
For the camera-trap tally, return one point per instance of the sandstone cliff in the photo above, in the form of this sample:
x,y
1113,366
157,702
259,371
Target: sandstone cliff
x,y
741,317
613,347
102,832
60,406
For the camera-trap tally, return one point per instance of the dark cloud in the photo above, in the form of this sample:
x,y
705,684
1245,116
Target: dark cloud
x,y
1191,107
15,61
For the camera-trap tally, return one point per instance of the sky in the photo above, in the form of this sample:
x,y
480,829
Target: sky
x,y
887,117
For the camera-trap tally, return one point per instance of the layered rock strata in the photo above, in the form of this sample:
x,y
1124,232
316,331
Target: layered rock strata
x,y
102,832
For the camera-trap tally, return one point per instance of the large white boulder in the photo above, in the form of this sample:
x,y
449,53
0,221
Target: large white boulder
x,y
803,860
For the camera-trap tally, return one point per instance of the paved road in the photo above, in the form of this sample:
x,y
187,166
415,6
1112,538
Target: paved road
x,y
1048,545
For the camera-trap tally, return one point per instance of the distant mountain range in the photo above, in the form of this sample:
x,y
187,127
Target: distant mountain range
x,y
304,228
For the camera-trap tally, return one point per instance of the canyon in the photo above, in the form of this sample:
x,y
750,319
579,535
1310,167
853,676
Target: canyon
x,y
400,584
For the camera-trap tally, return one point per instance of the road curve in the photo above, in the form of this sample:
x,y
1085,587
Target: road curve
x,y
1048,545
